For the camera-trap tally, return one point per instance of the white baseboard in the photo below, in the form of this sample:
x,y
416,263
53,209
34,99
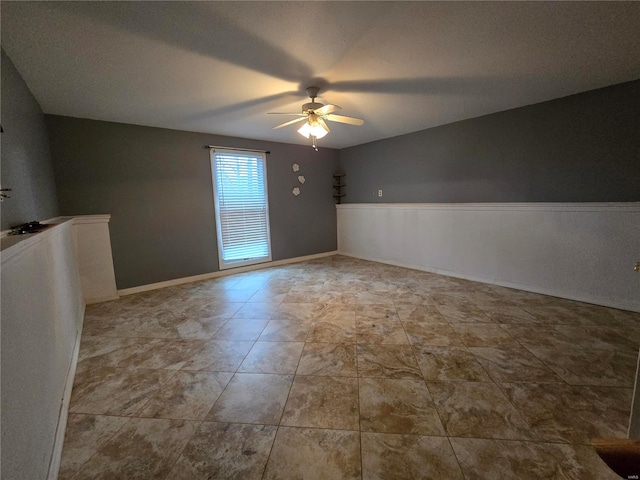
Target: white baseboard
x,y
91,301
222,273
56,454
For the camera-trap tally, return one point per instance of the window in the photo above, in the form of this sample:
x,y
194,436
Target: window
x,y
242,207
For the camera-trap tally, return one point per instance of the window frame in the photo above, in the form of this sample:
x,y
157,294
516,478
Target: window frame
x,y
228,264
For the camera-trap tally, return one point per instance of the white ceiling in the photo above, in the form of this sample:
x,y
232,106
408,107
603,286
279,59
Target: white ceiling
x,y
219,67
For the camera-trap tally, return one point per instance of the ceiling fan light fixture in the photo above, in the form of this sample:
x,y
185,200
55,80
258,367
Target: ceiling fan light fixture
x,y
313,129
315,116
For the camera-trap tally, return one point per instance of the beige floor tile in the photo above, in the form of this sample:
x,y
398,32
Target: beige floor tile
x,y
219,356
299,297
225,451
375,311
391,361
407,457
409,297
558,315
567,336
565,413
314,454
625,318
498,363
267,297
445,296
441,334
610,408
186,395
241,329
463,313
234,294
137,352
630,332
380,331
273,357
322,402
513,364
373,298
505,460
339,314
426,314
449,363
488,298
83,436
114,391
578,366
335,331
328,359
110,326
179,326
252,398
397,405
285,331
482,335
533,300
216,309
298,312
143,448
508,314
474,409
256,310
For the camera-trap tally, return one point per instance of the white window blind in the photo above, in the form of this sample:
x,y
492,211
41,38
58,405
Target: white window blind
x,y
242,207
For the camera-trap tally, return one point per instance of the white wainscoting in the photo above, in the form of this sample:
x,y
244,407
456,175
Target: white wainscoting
x,y
95,259
579,251
42,311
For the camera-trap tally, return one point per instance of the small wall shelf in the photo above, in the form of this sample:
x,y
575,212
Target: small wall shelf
x,y
338,186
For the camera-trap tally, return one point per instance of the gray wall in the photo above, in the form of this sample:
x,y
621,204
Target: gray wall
x,y
156,184
581,148
26,161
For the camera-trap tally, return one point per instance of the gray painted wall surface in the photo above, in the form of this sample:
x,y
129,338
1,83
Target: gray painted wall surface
x,y
156,184
26,161
581,148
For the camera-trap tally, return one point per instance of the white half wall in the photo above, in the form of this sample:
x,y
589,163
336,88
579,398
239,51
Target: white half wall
x,y
42,312
579,251
95,259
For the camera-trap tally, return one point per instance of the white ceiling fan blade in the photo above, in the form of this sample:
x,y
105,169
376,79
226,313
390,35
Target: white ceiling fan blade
x,y
283,113
290,122
323,124
343,119
327,109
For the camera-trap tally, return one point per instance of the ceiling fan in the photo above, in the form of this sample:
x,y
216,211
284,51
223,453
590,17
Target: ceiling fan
x,y
314,114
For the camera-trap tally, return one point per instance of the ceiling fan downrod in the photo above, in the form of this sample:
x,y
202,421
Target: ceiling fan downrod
x,y
313,93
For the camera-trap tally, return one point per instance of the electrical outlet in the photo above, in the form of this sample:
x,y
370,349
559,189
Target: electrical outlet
x,y
380,192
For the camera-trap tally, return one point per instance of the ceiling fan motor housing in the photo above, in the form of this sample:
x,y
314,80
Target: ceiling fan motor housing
x,y
311,106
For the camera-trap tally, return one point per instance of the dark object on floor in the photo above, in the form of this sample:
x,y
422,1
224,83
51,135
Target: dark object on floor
x,y
31,227
622,455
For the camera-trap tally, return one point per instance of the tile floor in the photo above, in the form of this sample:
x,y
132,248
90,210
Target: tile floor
x,y
341,368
